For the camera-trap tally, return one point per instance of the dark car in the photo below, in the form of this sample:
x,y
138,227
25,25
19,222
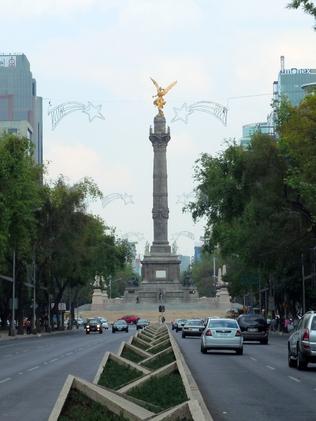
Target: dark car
x,y
93,325
132,319
254,327
119,326
141,323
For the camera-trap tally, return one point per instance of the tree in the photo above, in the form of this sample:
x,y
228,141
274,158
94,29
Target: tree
x,y
307,5
20,198
203,276
260,203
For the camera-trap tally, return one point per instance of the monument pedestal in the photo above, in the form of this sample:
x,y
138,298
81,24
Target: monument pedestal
x,y
99,300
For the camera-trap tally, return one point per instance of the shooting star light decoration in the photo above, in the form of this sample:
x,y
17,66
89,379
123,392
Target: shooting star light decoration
x,y
62,110
209,107
127,198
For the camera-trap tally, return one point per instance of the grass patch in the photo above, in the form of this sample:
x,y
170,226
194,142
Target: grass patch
x,y
137,343
116,375
163,392
79,407
131,355
144,338
160,361
159,348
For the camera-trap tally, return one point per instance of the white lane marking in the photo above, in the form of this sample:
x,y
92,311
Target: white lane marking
x,y
294,379
253,359
5,380
20,373
270,367
33,368
68,353
53,360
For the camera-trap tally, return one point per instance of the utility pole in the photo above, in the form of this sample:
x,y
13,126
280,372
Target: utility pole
x,y
303,284
34,296
12,329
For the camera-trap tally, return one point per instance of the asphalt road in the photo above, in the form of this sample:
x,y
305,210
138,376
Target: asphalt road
x,y
33,370
257,385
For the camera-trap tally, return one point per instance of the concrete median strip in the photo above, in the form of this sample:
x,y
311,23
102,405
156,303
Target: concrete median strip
x,y
129,396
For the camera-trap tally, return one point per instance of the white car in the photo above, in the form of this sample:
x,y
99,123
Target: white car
x,y
222,334
104,322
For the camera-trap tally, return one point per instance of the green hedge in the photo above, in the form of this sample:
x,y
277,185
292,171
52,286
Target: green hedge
x,y
160,361
164,392
79,407
117,375
131,355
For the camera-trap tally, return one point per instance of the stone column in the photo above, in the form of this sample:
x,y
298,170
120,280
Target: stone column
x,y
160,212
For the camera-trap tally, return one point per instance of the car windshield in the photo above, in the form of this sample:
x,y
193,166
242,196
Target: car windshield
x,y
120,322
93,321
142,321
232,324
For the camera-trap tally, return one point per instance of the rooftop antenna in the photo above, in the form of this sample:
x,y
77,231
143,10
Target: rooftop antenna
x,y
282,63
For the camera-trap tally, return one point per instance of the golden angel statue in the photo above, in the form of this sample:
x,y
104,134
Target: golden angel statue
x,y
161,92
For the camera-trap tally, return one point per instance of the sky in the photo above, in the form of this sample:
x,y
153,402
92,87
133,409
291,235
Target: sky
x,y
105,51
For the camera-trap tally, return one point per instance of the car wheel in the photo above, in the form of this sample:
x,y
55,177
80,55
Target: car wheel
x,y
87,333
264,341
203,349
301,362
100,331
239,351
113,331
127,330
183,335
292,363
177,330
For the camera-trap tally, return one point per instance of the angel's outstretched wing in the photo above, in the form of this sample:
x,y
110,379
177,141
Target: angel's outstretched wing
x,y
155,83
167,89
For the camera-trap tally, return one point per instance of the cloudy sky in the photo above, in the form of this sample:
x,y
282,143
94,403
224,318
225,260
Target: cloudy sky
x,y
104,51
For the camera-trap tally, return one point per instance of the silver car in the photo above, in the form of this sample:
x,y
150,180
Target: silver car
x,y
302,342
222,334
193,327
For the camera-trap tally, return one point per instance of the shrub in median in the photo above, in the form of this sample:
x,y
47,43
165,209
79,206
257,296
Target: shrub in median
x,y
159,348
163,392
116,375
79,407
160,361
131,355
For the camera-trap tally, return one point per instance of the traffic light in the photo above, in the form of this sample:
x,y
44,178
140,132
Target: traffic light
x,y
161,309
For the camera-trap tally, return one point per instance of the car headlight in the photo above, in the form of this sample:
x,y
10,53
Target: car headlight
x,y
98,325
88,327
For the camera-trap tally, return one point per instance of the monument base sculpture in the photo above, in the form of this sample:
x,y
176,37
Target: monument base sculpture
x,y
99,299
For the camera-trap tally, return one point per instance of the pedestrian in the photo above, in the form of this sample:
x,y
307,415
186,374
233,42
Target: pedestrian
x,y
28,326
163,319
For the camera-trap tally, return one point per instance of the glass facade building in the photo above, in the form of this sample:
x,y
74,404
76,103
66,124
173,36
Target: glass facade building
x,y
249,130
291,81
20,107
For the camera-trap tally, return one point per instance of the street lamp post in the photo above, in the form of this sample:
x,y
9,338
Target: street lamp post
x,y
12,328
34,297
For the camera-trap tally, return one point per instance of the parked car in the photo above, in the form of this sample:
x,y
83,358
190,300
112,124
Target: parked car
x,y
254,327
132,319
302,342
193,327
119,326
221,334
93,325
180,323
141,323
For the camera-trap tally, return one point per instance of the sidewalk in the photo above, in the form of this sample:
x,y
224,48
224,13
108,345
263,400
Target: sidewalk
x,y
5,337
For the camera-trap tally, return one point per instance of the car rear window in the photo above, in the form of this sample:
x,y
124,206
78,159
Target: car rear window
x,y
194,323
252,319
313,325
223,323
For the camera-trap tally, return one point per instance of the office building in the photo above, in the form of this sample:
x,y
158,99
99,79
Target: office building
x,y
249,130
20,107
